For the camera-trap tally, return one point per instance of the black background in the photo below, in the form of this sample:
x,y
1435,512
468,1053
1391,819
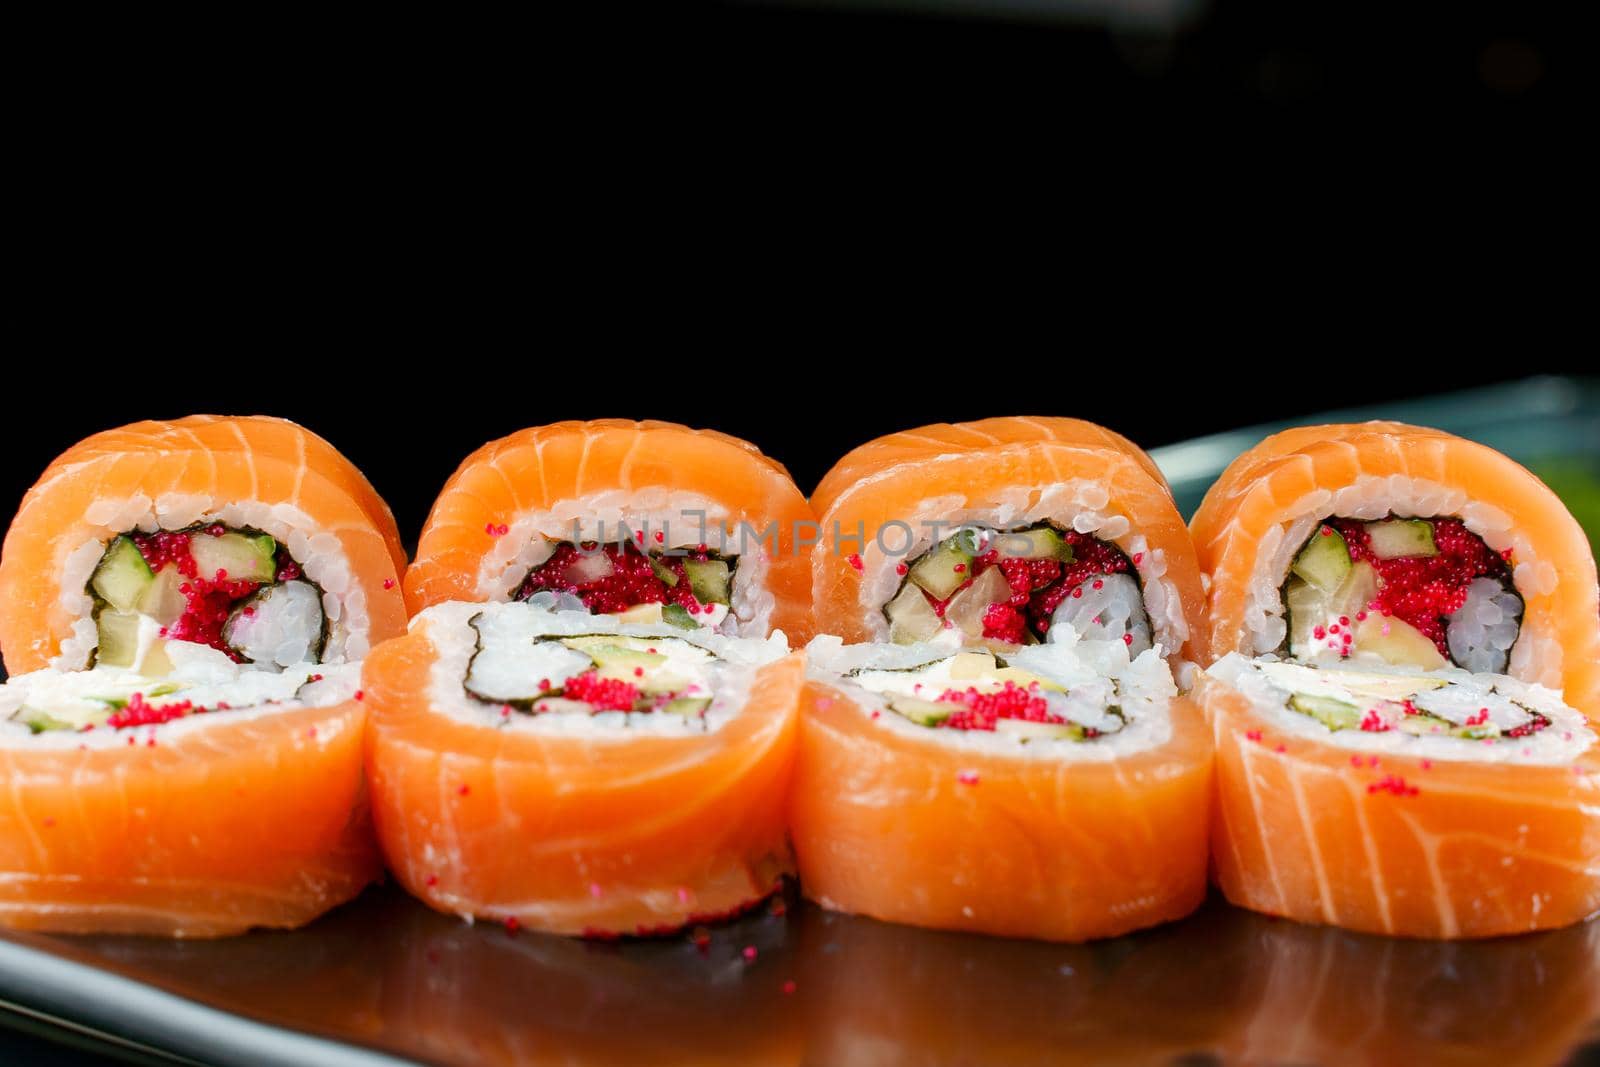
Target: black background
x,y
409,433
804,226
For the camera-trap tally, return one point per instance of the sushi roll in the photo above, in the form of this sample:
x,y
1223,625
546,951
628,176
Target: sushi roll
x,y
1058,791
648,521
567,772
1005,532
182,730
1398,612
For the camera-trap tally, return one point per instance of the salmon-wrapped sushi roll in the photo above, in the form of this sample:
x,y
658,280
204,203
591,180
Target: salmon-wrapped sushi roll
x,y
1050,782
1398,612
1000,531
566,772
182,731
651,521
1058,791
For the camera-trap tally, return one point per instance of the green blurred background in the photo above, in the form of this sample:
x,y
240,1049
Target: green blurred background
x,y
1551,425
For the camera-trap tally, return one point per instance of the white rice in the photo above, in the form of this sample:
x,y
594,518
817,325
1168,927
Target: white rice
x,y
1080,505
1534,657
1143,688
201,674
685,521
1561,742
450,630
319,553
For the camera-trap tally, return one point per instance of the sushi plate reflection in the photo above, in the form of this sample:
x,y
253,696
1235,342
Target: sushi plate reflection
x,y
385,980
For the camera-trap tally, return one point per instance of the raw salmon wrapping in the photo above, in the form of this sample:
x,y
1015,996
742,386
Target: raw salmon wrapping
x,y
1002,530
1398,612
184,603
566,772
1007,751
1060,792
648,520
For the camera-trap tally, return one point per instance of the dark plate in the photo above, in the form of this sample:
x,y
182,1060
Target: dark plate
x,y
386,979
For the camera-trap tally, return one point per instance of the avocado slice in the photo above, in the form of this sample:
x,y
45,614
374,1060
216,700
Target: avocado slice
x,y
1324,561
1397,538
122,575
1307,607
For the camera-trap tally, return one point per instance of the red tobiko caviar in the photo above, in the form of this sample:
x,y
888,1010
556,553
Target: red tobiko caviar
x,y
605,694
208,598
1422,590
1393,783
1373,723
967,777
631,578
749,953
138,712
983,710
1529,728
855,561
1252,735
513,924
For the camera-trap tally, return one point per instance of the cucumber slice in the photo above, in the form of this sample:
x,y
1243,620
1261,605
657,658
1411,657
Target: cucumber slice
x,y
161,600
1334,714
1395,538
1039,731
677,615
242,557
708,580
625,658
1425,725
1041,542
687,706
923,712
1324,561
40,721
122,576
119,638
668,576
936,570
966,608
911,617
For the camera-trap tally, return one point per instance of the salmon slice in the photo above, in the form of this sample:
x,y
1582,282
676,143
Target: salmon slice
x,y
910,830
536,482
1398,843
223,460
1238,527
600,832
233,821
995,472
